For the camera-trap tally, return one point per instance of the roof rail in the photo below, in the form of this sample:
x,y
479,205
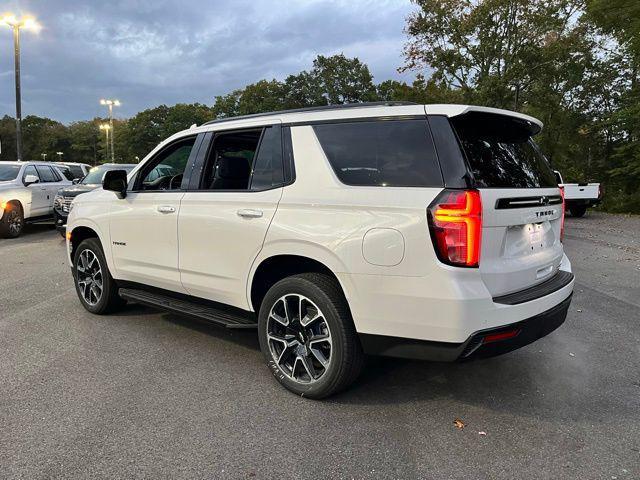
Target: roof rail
x,y
311,109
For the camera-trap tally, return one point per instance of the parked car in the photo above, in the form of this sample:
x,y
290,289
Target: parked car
x,y
75,170
580,196
91,181
27,190
431,232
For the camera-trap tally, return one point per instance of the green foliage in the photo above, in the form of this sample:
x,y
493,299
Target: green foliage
x,y
332,80
571,63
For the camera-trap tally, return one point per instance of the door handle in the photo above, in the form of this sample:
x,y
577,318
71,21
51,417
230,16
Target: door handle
x,y
250,213
166,209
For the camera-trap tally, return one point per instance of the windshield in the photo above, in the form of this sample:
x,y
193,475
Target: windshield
x,y
94,177
501,153
8,172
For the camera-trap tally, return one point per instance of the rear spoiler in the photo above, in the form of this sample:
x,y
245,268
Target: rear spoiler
x,y
451,110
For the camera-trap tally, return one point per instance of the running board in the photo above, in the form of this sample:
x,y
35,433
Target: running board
x,y
230,318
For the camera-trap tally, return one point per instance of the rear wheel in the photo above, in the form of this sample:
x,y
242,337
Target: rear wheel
x,y
95,287
12,221
578,211
307,336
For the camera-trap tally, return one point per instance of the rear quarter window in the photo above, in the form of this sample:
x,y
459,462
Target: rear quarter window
x,y
393,153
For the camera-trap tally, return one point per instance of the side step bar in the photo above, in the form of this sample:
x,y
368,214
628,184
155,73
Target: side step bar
x,y
227,317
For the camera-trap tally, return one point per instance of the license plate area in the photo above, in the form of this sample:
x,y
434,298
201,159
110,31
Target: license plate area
x,y
528,239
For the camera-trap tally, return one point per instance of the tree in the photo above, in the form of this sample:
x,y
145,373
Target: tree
x,y
343,80
85,139
182,115
304,90
492,50
621,19
8,138
44,136
332,80
143,132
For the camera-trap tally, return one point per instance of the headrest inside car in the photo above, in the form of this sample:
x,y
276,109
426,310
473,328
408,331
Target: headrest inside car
x,y
232,168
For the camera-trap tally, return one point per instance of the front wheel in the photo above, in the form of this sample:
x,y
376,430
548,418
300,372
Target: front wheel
x,y
95,287
307,336
12,221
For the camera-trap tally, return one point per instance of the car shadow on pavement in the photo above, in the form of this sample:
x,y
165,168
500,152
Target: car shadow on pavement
x,y
535,381
525,383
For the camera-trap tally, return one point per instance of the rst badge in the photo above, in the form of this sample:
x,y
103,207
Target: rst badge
x,y
546,213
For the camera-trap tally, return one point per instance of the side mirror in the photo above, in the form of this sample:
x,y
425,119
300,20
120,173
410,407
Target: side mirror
x,y
30,179
76,181
115,181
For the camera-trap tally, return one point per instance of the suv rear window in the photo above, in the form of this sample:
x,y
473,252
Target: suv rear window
x,y
393,153
501,153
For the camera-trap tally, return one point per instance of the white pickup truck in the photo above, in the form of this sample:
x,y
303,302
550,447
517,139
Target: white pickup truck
x,y
579,196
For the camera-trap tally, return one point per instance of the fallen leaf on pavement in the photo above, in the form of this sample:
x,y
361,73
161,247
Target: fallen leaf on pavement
x,y
458,423
572,354
484,434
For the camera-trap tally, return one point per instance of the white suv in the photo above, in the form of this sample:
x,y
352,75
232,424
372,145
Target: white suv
x,y
422,231
27,191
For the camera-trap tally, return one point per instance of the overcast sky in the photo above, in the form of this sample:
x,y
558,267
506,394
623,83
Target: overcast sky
x,y
149,52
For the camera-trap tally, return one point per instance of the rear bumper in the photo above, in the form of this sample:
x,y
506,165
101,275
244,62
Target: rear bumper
x,y
447,307
481,344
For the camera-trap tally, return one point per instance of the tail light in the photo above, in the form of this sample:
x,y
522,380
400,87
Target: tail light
x,y
562,217
455,222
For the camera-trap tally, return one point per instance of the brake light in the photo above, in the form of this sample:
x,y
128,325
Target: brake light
x,y
455,222
562,217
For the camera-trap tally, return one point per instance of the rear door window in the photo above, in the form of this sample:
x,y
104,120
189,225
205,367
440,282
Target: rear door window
x,y
267,170
501,153
46,174
249,160
387,153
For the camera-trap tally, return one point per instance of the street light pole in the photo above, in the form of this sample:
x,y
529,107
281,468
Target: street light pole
x,y
16,25
111,104
106,127
16,54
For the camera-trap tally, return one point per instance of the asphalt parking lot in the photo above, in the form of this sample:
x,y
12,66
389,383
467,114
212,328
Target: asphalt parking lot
x,y
148,394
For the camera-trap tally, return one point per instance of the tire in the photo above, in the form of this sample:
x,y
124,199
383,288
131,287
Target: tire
x,y
299,354
56,219
12,222
578,211
98,293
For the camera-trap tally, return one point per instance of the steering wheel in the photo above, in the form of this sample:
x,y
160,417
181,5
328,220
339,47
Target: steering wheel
x,y
177,179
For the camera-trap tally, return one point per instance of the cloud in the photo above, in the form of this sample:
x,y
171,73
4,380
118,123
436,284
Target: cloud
x,y
167,51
